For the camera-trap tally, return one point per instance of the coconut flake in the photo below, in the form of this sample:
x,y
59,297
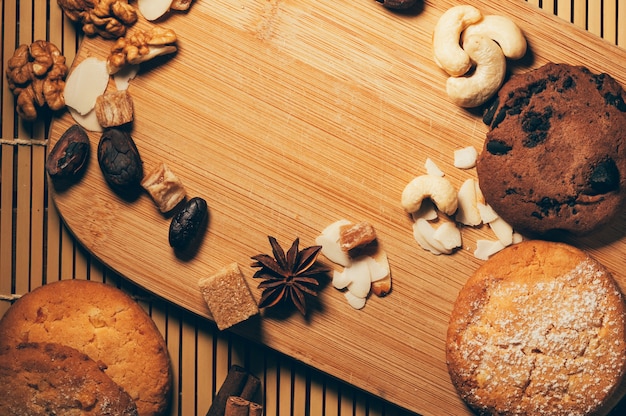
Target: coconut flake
x,y
467,212
85,84
448,235
502,230
360,278
331,248
153,9
340,280
378,265
88,121
123,77
465,158
427,211
487,214
487,248
427,231
354,301
432,168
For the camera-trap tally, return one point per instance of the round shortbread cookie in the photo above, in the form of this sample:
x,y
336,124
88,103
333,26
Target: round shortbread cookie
x,y
53,379
106,324
538,330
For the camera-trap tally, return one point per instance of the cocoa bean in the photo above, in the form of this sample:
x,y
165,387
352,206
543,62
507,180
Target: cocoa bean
x,y
398,4
68,156
119,159
187,225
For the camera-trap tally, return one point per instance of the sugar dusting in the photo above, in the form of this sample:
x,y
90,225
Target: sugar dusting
x,y
545,346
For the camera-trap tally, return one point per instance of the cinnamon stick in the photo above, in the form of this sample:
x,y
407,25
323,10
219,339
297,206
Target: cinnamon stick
x,y
255,409
250,387
232,386
237,406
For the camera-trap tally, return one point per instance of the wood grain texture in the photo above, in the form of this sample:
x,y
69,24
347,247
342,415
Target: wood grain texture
x,y
286,116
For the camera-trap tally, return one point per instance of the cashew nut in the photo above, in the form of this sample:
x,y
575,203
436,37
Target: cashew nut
x,y
502,30
448,53
487,77
439,190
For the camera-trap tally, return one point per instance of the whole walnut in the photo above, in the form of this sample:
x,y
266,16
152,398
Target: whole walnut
x,y
107,18
36,76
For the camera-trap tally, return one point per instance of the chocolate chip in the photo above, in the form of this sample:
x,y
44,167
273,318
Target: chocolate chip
x,y
498,147
536,124
509,110
535,138
604,177
519,103
490,111
535,121
567,84
499,118
547,205
598,79
537,87
615,100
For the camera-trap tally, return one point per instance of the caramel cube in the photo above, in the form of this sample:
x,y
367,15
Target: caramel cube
x,y
355,236
164,187
114,108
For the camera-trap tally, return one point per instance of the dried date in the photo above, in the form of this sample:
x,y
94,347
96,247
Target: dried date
x,y
119,159
69,155
187,225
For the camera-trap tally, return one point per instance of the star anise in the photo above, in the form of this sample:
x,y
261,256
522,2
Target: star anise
x,y
288,277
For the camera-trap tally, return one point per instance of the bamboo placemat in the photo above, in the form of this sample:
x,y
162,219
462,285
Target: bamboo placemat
x,y
36,248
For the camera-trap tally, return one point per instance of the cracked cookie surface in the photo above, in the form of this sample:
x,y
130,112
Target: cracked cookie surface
x,y
555,155
538,329
104,323
54,379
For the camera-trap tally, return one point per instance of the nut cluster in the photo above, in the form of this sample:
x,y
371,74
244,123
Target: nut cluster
x,y
439,211
36,76
356,247
464,39
107,18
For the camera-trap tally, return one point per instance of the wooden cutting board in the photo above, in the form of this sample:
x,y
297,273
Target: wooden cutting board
x,y
287,116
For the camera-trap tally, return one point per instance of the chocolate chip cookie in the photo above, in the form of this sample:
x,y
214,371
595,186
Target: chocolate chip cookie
x,y
555,155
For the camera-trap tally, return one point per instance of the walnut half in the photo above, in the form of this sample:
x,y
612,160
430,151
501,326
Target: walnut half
x,y
141,46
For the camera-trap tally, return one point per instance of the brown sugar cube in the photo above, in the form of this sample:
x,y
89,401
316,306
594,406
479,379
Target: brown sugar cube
x,y
228,296
356,235
114,108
